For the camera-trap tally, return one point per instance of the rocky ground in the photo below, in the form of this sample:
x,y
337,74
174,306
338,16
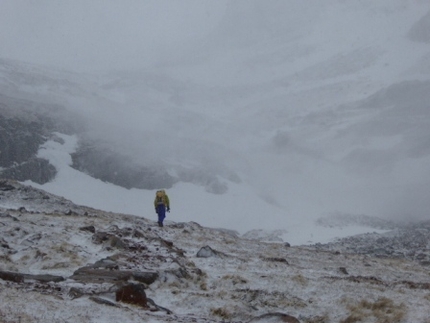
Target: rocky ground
x,y
62,262
406,241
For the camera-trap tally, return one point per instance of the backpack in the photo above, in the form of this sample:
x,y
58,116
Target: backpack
x,y
160,197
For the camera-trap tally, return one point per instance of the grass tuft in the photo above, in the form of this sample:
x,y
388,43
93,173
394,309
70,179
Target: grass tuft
x,y
221,312
383,310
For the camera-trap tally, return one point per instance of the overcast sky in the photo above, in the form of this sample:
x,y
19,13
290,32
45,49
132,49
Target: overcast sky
x,y
93,35
88,35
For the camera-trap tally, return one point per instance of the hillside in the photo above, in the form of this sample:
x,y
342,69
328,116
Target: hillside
x,y
62,262
292,137
290,111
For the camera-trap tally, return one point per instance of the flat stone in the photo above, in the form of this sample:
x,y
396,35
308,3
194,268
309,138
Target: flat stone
x,y
19,277
90,274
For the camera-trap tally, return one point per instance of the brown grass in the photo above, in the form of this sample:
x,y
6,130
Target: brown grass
x,y
235,279
383,310
300,279
221,312
318,319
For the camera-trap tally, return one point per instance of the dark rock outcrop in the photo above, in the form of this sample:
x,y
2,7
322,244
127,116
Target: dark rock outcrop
x,y
408,242
19,277
19,142
110,166
24,126
37,170
95,275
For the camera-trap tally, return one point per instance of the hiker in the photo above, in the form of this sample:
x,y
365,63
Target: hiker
x,y
161,204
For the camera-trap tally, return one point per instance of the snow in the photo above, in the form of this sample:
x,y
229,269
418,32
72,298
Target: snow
x,y
246,278
303,100
233,211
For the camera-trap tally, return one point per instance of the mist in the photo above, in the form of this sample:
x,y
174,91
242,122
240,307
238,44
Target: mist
x,y
99,35
321,107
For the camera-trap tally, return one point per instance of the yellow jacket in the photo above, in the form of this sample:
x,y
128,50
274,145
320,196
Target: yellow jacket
x,y
161,198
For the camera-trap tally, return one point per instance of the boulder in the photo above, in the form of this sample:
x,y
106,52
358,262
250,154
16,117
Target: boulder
x,y
132,294
206,252
275,318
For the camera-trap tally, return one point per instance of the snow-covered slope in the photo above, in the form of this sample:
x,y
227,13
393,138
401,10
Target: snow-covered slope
x,y
236,210
62,262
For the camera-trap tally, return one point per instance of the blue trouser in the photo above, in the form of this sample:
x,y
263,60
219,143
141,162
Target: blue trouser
x,y
161,211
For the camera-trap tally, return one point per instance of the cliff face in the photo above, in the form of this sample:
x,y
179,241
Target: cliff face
x,y
107,165
25,125
21,134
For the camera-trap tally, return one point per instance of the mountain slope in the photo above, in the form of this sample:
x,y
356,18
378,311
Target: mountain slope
x,y
62,261
278,115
